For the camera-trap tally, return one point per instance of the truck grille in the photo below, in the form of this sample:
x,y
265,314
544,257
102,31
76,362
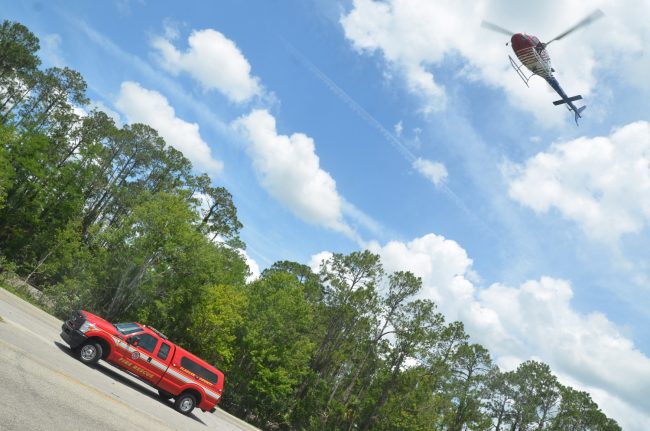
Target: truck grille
x,y
76,320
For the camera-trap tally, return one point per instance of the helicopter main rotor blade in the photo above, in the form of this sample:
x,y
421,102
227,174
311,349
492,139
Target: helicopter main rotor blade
x,y
585,21
494,27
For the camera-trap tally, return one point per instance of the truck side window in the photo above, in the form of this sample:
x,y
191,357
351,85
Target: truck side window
x,y
128,328
197,369
147,342
164,351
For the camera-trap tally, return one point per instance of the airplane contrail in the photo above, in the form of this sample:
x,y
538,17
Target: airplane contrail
x,y
360,111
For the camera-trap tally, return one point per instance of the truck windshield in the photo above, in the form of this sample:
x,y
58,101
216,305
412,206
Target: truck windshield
x,y
127,328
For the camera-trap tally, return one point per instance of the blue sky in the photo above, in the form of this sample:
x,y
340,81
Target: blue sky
x,y
399,126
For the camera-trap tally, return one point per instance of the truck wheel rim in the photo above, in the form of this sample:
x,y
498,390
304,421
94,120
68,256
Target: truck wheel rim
x,y
187,404
88,352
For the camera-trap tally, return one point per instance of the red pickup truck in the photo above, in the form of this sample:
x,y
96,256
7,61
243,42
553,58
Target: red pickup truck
x,y
147,354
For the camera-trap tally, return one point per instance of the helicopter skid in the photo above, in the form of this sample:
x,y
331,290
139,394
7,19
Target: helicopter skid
x,y
520,72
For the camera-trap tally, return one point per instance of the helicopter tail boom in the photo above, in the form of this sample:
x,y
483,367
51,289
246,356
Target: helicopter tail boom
x,y
565,99
568,99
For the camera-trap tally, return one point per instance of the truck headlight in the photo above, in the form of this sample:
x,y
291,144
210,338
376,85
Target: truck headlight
x,y
86,327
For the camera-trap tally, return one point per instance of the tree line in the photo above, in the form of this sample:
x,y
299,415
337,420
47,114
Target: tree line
x,y
111,219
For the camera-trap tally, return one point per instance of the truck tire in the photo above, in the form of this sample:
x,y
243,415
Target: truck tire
x,y
164,395
90,352
185,403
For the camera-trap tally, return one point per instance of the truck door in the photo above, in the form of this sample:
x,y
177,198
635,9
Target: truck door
x,y
173,381
142,360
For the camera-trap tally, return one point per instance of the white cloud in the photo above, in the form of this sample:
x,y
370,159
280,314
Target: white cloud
x,y
444,266
253,267
289,169
101,106
398,129
51,49
317,260
589,348
381,26
171,28
603,183
533,320
140,105
417,36
435,172
633,419
213,60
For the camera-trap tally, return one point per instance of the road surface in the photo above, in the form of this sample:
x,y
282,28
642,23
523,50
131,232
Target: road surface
x,y
43,387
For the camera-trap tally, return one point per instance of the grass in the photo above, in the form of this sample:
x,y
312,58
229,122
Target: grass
x,y
13,284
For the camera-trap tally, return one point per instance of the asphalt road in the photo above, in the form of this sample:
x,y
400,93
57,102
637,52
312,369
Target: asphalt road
x,y
43,387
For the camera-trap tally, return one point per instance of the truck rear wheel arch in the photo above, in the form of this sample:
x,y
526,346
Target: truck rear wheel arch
x,y
197,395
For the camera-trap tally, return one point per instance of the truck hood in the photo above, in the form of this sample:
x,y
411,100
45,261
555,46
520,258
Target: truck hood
x,y
100,323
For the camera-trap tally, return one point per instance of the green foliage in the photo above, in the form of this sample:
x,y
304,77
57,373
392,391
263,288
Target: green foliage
x,y
310,281
274,349
577,411
7,173
217,318
18,47
18,65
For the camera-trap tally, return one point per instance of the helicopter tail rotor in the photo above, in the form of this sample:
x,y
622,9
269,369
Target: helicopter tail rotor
x,y
579,111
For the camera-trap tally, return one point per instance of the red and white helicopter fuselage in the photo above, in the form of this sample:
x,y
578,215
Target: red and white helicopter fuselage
x,y
532,54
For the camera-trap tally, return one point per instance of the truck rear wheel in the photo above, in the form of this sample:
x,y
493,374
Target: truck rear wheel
x,y
90,352
185,403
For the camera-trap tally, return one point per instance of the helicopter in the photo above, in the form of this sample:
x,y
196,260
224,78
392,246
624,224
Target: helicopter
x,y
533,55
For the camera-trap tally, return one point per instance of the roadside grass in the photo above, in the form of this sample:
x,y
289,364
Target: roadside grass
x,y
12,283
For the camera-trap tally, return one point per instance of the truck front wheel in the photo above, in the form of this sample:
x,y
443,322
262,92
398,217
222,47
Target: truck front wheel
x,y
90,352
185,403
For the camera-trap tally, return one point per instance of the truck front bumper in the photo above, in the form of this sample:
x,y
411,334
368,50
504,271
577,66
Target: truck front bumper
x,y
73,337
